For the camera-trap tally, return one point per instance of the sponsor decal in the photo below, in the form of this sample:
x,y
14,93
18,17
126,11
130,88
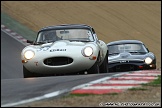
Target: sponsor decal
x,y
53,50
45,48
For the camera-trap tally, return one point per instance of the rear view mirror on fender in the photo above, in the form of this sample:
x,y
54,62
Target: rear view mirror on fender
x,y
29,41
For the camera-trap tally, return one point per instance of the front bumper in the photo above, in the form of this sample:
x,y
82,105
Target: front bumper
x,y
77,64
130,66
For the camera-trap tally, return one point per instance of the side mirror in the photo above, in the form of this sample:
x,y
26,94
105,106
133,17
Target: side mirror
x,y
147,49
29,41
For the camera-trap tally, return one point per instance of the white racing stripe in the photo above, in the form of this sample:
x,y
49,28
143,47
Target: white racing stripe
x,y
133,78
91,83
142,74
98,81
124,82
109,87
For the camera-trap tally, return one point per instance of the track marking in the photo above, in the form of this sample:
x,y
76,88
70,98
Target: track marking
x,y
14,35
119,82
49,95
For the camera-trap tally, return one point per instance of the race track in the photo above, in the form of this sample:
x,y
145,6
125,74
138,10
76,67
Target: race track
x,y
16,90
10,55
112,20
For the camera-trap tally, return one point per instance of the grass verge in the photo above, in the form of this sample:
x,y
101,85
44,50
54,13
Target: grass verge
x,y
154,83
17,27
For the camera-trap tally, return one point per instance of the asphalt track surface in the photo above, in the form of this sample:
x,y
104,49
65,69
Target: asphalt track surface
x,y
15,88
11,66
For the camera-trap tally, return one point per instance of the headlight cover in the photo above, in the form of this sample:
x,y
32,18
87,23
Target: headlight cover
x,y
87,51
148,60
29,54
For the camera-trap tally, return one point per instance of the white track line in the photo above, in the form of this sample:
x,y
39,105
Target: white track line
x,y
109,87
49,95
124,82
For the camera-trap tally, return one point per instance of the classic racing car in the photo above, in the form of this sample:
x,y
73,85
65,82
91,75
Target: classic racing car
x,y
65,49
129,55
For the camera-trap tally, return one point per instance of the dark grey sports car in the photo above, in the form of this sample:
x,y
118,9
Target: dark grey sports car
x,y
129,55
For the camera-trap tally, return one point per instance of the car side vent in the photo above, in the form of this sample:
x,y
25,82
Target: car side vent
x,y
57,61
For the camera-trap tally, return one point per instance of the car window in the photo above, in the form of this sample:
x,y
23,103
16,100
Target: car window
x,y
48,36
65,34
75,34
132,48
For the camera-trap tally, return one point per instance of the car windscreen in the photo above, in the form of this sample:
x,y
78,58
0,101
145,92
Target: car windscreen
x,y
65,34
131,48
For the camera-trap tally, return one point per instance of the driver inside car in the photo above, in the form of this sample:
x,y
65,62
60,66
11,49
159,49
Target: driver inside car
x,y
51,37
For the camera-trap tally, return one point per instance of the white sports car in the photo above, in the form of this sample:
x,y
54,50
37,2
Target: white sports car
x,y
65,49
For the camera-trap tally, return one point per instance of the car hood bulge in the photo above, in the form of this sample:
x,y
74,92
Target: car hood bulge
x,y
62,44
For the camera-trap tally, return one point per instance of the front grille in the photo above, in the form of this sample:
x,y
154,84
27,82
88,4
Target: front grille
x,y
57,61
136,61
124,67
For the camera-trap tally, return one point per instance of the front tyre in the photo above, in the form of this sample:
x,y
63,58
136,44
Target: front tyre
x,y
104,65
94,69
28,74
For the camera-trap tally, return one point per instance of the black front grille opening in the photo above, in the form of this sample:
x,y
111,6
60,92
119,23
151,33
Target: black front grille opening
x,y
124,68
57,61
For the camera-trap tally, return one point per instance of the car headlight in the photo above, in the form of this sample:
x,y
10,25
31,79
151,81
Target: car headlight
x,y
87,51
148,60
29,54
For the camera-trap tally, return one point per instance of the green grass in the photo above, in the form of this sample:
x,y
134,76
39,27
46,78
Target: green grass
x,y
16,26
138,88
111,94
156,82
